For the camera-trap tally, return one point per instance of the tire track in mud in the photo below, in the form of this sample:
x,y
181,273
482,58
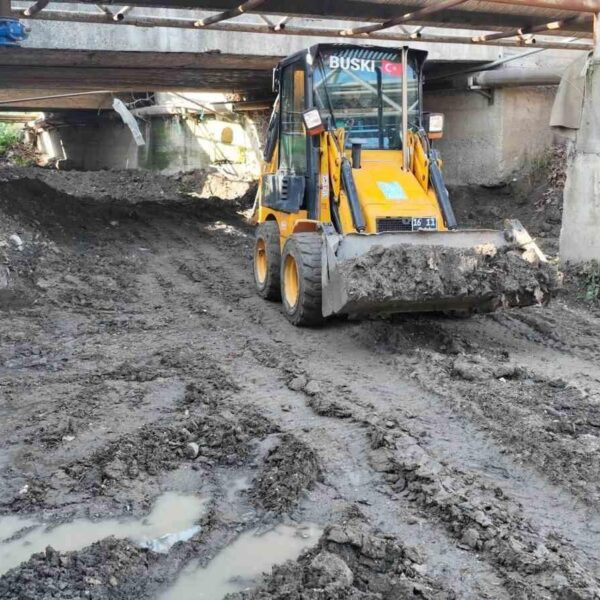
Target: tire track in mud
x,y
522,549
498,382
529,553
408,460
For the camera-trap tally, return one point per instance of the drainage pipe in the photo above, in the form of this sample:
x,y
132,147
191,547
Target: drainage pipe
x,y
516,77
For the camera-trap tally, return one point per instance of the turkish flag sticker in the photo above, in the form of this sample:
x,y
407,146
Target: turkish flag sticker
x,y
391,68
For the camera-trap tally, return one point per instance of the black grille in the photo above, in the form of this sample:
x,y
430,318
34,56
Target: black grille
x,y
391,225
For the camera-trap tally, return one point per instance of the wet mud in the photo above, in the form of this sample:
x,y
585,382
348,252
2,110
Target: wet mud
x,y
441,457
433,276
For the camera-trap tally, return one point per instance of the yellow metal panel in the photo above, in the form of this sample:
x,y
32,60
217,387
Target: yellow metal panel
x,y
324,184
382,170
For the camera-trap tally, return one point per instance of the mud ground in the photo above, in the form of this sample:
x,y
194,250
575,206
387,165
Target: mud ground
x,y
443,457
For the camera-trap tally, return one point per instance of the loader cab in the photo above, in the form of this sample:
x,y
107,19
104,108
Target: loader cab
x,y
360,89
355,88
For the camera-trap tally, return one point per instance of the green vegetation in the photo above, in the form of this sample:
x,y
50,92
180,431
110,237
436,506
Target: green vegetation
x,y
10,136
590,275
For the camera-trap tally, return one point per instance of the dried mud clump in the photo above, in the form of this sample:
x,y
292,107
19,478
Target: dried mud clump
x,y
107,569
420,274
351,562
289,469
482,518
222,438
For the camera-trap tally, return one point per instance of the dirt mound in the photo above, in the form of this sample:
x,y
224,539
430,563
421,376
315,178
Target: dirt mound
x,y
289,469
535,198
351,562
113,569
410,275
223,438
49,221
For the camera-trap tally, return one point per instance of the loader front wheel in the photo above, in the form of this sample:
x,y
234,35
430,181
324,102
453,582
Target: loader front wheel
x,y
267,261
301,279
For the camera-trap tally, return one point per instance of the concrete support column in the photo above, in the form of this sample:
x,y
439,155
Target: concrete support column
x,y
4,8
580,234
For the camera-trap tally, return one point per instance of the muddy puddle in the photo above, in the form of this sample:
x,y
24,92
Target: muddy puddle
x,y
173,518
238,566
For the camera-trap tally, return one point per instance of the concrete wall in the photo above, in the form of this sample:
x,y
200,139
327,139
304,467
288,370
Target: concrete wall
x,y
487,143
173,143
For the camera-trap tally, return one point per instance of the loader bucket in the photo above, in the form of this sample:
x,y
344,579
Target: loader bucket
x,y
434,271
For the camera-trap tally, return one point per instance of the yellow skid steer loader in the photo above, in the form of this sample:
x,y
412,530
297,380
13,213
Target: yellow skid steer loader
x,y
352,210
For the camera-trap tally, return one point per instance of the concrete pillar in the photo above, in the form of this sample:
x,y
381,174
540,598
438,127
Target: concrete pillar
x,y
4,8
580,234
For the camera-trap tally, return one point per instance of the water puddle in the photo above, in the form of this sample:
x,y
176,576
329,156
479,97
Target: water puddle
x,y
238,565
172,519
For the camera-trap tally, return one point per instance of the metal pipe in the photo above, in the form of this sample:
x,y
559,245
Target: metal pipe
x,y
230,14
282,23
522,31
592,6
105,10
268,21
516,76
121,14
144,21
416,33
411,16
34,9
597,36
52,97
492,65
405,157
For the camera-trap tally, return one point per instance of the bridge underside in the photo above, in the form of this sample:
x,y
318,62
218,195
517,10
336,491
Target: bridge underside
x,y
32,68
475,15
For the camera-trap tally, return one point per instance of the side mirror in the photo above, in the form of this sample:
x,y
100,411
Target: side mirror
x,y
275,83
434,125
313,122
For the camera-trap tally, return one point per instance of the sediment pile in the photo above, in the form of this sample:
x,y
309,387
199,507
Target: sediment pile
x,y
435,276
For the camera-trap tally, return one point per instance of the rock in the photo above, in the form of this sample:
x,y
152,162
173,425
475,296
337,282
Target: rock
x,y
192,450
16,241
482,519
331,571
297,383
312,388
468,371
470,537
115,469
43,284
414,555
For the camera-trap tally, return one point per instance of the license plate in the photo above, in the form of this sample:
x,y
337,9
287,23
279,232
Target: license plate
x,y
426,223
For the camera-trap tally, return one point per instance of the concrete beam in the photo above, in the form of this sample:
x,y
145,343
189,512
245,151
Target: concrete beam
x,y
580,237
31,68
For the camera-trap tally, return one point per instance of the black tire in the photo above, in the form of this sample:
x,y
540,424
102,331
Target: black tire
x,y
305,250
267,279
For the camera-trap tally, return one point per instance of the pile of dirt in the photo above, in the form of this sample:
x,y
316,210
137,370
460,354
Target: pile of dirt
x,y
49,219
289,469
135,186
110,569
351,562
221,438
535,198
412,275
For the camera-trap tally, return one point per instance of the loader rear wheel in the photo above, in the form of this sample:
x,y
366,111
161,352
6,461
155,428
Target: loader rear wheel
x,y
301,279
267,261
